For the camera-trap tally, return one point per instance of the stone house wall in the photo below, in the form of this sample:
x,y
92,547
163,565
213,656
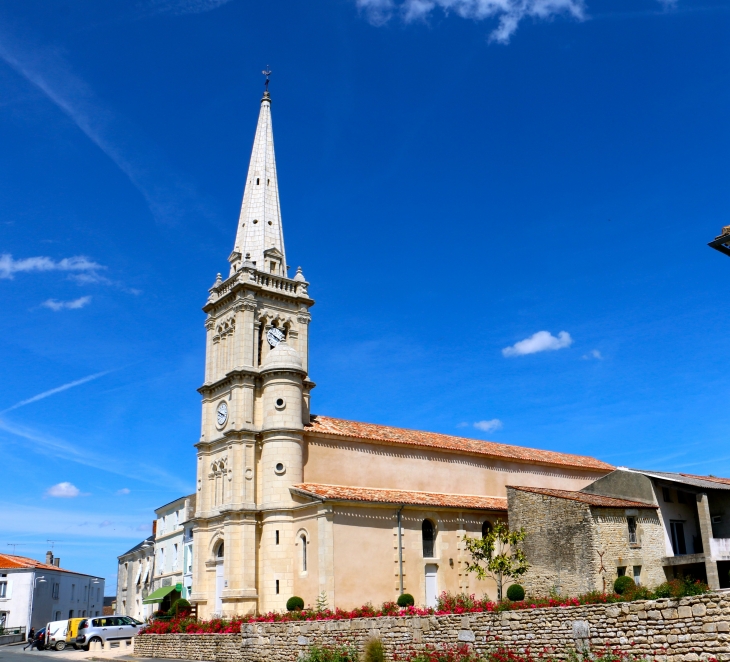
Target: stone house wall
x,y
685,630
572,546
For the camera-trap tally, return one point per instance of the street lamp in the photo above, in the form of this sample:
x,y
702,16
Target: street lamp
x,y
722,241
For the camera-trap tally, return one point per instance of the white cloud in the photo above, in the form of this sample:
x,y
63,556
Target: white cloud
x,y
58,389
74,304
593,354
9,267
63,490
508,13
123,491
105,523
542,341
488,426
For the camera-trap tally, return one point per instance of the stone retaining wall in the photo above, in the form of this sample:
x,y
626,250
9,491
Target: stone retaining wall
x,y
684,630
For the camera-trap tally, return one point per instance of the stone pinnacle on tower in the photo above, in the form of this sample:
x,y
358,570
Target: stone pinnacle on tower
x,y
260,236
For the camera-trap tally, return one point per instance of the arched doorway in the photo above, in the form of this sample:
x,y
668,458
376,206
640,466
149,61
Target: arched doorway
x,y
219,575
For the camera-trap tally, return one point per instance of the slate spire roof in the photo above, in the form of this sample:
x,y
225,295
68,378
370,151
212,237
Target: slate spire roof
x,y
259,224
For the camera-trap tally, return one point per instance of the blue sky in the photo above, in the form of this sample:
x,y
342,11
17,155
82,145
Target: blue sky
x,y
456,177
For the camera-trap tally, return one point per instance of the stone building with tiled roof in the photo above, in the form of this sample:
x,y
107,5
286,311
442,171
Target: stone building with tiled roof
x,y
290,503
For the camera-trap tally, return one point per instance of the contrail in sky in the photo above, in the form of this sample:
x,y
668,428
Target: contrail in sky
x,y
53,391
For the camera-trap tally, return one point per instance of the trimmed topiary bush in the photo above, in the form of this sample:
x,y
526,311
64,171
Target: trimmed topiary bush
x,y
405,600
516,593
623,584
295,603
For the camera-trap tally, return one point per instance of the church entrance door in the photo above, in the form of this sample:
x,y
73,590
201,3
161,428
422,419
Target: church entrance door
x,y
431,586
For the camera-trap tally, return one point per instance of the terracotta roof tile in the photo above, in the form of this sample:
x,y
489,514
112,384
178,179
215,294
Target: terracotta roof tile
x,y
586,497
325,425
11,561
376,495
713,479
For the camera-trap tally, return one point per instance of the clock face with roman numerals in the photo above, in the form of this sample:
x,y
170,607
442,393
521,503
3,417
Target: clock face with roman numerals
x,y
274,336
222,413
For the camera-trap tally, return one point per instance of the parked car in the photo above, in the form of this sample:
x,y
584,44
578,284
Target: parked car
x,y
56,635
40,640
106,629
72,631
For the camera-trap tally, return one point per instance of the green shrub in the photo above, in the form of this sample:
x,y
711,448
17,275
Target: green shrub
x,y
405,600
295,603
337,653
180,606
516,593
623,584
374,651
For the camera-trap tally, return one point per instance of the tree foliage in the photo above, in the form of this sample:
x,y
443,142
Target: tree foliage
x,y
497,555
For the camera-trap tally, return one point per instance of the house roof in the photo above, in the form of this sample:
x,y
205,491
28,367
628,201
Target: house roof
x,y
586,497
14,562
377,495
325,425
712,479
703,482
139,545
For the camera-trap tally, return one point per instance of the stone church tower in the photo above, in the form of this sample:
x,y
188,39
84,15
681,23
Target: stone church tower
x,y
255,402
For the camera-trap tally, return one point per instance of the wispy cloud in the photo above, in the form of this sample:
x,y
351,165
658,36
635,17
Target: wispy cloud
x,y
74,304
542,341
488,426
123,491
593,354
44,68
58,389
63,491
508,13
180,7
9,267
81,454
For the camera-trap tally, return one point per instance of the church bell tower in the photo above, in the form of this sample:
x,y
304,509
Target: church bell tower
x,y
255,403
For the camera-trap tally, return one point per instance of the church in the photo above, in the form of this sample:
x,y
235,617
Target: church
x,y
290,502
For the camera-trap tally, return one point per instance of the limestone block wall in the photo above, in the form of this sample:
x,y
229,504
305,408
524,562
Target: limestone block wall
x,y
685,630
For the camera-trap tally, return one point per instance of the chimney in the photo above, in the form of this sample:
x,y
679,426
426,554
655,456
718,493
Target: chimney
x,y
57,562
49,558
154,527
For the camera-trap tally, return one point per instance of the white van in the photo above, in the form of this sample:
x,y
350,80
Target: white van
x,y
56,634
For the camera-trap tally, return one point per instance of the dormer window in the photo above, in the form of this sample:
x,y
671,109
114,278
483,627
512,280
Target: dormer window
x,y
272,269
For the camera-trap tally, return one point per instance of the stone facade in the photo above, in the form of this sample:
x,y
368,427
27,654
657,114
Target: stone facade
x,y
574,547
685,630
135,577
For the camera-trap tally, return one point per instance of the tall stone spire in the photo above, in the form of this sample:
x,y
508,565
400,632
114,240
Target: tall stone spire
x,y
260,237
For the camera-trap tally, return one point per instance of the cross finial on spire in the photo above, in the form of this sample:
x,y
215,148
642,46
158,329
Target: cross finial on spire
x,y
266,72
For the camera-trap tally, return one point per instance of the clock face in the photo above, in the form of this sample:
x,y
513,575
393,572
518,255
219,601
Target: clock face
x,y
274,336
222,413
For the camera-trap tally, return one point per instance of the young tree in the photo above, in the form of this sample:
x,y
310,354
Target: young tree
x,y
497,555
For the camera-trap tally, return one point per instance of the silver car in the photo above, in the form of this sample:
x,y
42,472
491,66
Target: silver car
x,y
106,629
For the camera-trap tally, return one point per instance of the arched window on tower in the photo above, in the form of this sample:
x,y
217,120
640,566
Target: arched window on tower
x,y
486,528
427,535
303,539
220,551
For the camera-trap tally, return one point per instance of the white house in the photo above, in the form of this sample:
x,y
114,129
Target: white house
x,y
173,548
134,579
33,593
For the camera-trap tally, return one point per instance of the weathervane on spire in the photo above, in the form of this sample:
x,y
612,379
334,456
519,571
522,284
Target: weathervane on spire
x,y
266,72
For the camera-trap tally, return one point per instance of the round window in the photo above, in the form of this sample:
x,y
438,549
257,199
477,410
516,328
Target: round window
x,y
279,468
280,403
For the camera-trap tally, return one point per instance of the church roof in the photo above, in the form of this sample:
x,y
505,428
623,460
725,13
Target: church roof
x,y
377,495
585,497
325,425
